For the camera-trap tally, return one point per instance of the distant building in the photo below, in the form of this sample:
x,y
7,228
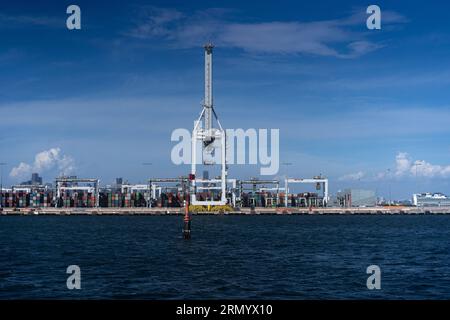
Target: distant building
x,y
430,200
356,198
36,180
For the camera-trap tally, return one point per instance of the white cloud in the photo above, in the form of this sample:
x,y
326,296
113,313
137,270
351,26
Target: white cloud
x,y
324,38
45,161
157,22
13,21
353,176
22,170
405,166
429,170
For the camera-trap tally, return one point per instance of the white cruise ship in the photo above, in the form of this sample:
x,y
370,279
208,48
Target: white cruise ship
x,y
431,200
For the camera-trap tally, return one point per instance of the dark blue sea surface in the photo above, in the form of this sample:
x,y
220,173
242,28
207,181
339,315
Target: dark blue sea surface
x,y
228,257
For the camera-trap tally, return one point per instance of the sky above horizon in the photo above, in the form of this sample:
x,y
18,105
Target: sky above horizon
x,y
366,108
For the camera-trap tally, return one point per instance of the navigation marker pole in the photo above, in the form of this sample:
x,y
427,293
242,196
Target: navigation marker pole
x,y
187,222
187,216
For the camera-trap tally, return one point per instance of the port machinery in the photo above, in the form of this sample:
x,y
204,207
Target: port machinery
x,y
236,189
73,184
212,137
254,183
208,136
319,181
157,185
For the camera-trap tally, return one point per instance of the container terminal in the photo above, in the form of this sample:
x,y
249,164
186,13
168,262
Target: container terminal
x,y
73,192
72,195
221,194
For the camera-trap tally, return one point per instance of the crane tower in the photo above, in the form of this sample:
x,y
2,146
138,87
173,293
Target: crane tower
x,y
212,137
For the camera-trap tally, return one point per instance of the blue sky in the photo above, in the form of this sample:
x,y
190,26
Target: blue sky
x,y
359,106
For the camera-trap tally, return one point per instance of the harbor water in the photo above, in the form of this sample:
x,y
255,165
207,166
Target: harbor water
x,y
228,257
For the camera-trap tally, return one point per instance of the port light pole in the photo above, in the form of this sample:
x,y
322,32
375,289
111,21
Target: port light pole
x,y
286,177
389,186
418,163
1,183
287,164
149,199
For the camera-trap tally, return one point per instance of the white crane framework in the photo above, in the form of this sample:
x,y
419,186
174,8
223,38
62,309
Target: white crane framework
x,y
212,138
318,180
64,183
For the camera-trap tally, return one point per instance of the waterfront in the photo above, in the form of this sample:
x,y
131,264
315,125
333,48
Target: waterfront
x,y
240,257
380,210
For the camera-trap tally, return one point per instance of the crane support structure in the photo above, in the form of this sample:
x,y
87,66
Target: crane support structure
x,y
211,138
318,180
67,183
